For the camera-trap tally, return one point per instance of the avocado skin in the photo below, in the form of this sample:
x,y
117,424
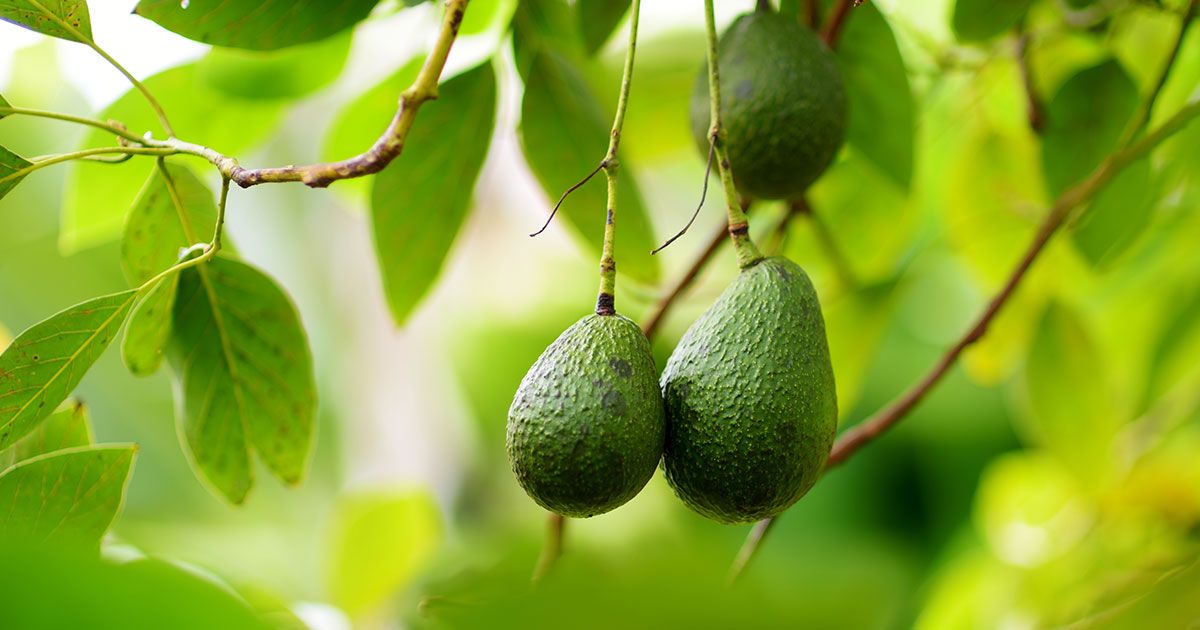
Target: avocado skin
x,y
750,399
586,427
783,105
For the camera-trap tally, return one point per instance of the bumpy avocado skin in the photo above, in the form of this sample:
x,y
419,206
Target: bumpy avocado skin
x,y
783,105
749,393
586,428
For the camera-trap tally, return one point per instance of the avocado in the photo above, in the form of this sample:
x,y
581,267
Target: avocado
x,y
750,400
783,106
586,427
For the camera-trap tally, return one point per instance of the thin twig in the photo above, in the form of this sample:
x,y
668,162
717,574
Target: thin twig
x,y
51,160
556,525
703,196
668,301
837,19
587,178
1034,107
746,553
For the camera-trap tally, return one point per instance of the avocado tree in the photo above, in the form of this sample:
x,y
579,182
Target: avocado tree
x,y
981,213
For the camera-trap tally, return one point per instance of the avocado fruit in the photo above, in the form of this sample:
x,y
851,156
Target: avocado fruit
x,y
783,105
750,400
586,427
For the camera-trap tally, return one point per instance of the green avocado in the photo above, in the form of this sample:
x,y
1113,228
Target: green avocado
x,y
586,427
750,400
783,106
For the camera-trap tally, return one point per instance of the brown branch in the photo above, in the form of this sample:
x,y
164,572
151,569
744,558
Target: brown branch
x,y
1035,109
812,13
837,19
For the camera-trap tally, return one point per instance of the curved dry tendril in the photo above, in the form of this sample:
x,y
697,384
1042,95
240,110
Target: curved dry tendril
x,y
566,194
712,145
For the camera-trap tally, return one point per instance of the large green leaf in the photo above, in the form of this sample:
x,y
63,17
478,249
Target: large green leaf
x,y
443,156
51,18
246,376
976,20
597,19
544,24
266,25
1118,215
44,364
175,210
564,134
70,495
65,428
98,196
881,118
10,163
272,74
380,540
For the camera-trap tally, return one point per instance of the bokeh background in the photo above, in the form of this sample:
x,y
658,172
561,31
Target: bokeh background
x,y
1053,478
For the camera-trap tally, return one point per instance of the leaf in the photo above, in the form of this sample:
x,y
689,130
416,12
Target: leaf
x,y
442,160
98,196
266,25
544,24
1117,216
564,134
1175,351
69,495
275,74
597,19
44,364
1084,120
880,122
246,375
380,541
976,20
3,103
65,428
10,163
49,19
487,14
174,211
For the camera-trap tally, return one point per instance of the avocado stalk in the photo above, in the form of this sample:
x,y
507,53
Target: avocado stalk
x,y
606,300
739,225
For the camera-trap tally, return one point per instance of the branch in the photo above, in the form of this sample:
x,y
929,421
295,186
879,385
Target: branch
x,y
865,432
555,525
837,19
1034,107
668,301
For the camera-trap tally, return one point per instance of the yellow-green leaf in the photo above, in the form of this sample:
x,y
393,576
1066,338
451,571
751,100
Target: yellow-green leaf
x,y
65,428
67,19
10,164
266,25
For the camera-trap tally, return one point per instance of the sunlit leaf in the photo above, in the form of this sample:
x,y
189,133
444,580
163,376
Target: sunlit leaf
x,y
65,428
72,494
486,14
44,364
442,159
3,103
10,163
379,542
246,376
1118,215
57,18
275,74
1177,347
264,25
98,196
597,19
983,19
1084,120
544,25
564,134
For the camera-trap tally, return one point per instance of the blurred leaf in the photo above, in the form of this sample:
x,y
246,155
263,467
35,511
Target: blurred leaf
x,y
881,118
564,134
174,211
246,376
855,323
1071,404
10,163
265,25
3,103
442,160
1084,120
1117,215
49,19
1177,348
380,541
277,74
45,363
544,24
976,20
486,14
597,19
1170,603
71,495
98,196
65,428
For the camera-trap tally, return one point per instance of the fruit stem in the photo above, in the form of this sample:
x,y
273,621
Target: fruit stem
x,y
739,226
606,300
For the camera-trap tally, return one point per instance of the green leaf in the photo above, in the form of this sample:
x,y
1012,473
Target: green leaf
x,y
3,103
976,20
1117,216
246,376
65,428
44,364
597,19
276,74
564,134
1084,120
379,542
52,19
98,196
487,14
544,24
69,495
442,159
148,332
1175,352
10,163
265,25
881,118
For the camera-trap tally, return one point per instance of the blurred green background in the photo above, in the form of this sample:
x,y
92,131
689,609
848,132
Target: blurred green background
x,y
1052,479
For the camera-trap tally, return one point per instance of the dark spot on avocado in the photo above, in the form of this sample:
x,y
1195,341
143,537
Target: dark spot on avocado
x,y
620,366
614,403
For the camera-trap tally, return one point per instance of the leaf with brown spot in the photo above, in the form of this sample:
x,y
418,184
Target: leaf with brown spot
x,y
50,17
